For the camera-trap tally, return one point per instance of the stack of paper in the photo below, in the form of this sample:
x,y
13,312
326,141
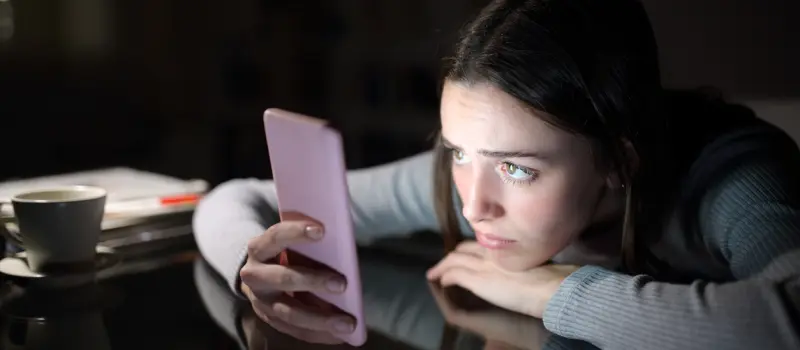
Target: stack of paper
x,y
133,195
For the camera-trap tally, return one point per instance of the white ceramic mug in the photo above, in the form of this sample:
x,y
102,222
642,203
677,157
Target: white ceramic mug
x,y
59,228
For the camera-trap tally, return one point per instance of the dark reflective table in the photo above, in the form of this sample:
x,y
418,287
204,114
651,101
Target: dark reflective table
x,y
181,303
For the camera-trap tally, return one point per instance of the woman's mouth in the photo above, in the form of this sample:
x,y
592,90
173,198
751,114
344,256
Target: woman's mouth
x,y
493,242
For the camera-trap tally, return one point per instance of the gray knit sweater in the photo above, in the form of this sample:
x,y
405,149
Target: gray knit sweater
x,y
736,238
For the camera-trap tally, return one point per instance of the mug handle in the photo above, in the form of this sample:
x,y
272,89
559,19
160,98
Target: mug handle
x,y
13,237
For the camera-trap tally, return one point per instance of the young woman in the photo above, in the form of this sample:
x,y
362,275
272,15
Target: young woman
x,y
620,213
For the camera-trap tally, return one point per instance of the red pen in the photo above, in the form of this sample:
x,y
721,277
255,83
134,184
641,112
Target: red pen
x,y
152,203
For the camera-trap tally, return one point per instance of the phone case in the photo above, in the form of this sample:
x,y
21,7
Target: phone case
x,y
310,177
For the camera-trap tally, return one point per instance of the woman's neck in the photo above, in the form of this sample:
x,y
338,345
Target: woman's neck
x,y
600,243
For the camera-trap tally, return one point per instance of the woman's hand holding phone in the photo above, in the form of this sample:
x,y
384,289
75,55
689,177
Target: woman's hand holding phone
x,y
278,293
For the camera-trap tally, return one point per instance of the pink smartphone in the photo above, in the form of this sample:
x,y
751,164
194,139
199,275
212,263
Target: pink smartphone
x,y
310,177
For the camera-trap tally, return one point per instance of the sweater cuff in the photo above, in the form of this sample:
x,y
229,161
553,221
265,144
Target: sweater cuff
x,y
237,280
579,288
228,253
229,267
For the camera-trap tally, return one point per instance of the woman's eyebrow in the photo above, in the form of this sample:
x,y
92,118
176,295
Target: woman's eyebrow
x,y
499,154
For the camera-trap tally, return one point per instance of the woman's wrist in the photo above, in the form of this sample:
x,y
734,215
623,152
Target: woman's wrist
x,y
576,285
549,287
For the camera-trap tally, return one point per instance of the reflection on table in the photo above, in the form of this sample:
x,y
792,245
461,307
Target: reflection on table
x,y
164,296
148,301
70,318
402,310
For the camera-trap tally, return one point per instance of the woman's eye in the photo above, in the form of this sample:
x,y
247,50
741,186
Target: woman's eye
x,y
517,172
459,157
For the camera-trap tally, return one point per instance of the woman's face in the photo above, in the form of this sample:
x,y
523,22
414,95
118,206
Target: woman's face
x,y
528,189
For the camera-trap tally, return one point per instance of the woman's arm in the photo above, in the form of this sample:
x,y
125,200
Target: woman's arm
x,y
615,311
752,219
394,198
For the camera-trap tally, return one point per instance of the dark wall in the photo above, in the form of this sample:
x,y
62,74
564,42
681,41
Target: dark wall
x,y
748,48
178,87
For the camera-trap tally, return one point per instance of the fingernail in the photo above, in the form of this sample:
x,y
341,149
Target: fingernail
x,y
315,232
335,284
343,325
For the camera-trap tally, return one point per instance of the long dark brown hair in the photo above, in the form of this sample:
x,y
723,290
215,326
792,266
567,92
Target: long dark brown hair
x,y
592,68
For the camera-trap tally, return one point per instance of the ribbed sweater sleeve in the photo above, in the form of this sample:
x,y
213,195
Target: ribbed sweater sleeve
x,y
751,218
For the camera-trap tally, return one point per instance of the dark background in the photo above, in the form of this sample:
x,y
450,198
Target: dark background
x,y
178,87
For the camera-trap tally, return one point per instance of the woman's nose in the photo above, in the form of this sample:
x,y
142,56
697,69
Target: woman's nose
x,y
480,203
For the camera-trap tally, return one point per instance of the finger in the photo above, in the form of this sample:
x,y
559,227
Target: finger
x,y
460,276
454,259
258,309
307,335
267,245
268,278
297,314
482,285
316,302
472,248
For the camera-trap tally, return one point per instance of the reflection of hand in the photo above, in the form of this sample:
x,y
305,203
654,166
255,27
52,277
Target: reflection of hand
x,y
278,293
525,292
499,327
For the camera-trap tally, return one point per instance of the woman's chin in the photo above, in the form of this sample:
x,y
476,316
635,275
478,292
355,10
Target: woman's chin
x,y
516,261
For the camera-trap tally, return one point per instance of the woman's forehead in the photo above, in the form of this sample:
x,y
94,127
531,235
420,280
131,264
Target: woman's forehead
x,y
484,116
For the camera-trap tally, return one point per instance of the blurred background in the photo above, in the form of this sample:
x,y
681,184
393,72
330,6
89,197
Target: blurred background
x,y
178,87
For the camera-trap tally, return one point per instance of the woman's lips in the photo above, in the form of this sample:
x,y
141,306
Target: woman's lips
x,y
493,242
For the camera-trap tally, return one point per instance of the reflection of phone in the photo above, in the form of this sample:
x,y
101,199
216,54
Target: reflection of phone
x,y
309,172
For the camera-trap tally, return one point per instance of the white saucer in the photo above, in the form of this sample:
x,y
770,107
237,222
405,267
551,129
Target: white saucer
x,y
16,266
